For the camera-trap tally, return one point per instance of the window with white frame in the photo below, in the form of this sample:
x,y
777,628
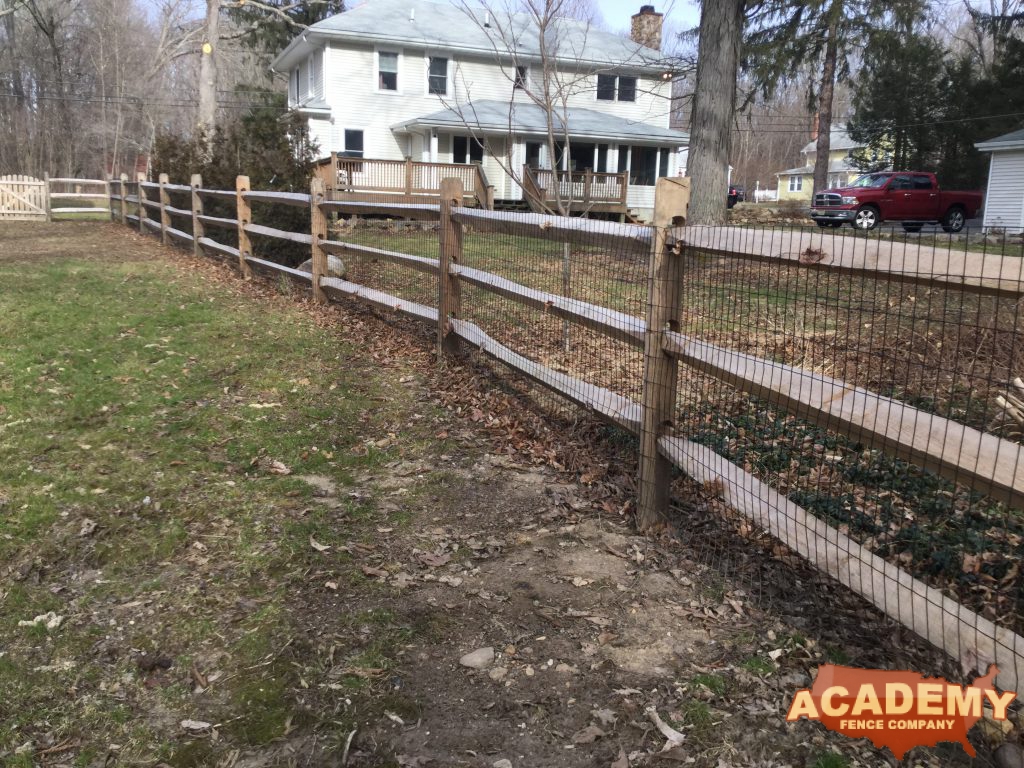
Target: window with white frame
x,y
437,77
353,143
796,183
387,70
616,88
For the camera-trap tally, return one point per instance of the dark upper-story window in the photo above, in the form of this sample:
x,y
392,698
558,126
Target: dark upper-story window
x,y
522,75
616,87
387,71
438,77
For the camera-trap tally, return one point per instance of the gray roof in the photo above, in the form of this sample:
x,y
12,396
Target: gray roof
x,y
838,139
837,166
1014,140
444,26
530,119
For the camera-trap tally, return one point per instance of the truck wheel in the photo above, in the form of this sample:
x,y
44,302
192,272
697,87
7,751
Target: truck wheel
x,y
954,220
867,218
912,227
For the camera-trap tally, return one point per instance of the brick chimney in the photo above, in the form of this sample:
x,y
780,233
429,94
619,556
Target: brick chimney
x,y
646,29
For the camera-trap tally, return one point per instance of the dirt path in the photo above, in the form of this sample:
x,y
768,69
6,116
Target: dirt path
x,y
339,634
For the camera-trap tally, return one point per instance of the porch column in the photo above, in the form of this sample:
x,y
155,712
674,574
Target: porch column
x,y
433,145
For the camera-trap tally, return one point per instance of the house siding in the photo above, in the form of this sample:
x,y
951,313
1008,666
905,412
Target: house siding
x,y
1004,202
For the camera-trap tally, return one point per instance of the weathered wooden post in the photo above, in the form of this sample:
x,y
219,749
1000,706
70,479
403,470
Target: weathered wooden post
x,y
165,217
123,186
318,230
661,381
142,203
108,188
408,179
449,297
244,216
198,230
46,197
331,179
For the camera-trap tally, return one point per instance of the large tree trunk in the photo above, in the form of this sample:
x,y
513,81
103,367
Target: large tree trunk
x,y
714,99
207,118
828,81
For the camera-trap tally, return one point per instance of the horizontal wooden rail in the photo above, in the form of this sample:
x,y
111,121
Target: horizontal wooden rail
x,y
279,234
133,199
78,195
942,621
296,199
154,204
152,223
132,218
149,184
219,194
424,212
178,188
216,221
618,325
862,256
632,238
597,400
212,245
178,211
83,182
336,288
179,234
297,275
965,455
79,210
419,263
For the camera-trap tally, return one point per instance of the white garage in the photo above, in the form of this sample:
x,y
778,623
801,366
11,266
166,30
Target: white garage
x,y
1004,198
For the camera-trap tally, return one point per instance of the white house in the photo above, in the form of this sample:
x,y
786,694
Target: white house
x,y
1004,198
440,83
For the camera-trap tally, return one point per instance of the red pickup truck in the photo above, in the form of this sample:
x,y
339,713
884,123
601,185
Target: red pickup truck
x,y
908,196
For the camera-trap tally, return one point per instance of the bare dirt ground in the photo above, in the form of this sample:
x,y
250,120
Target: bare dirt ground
x,y
511,543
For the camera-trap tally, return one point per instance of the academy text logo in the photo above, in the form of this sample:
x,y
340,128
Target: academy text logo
x,y
898,710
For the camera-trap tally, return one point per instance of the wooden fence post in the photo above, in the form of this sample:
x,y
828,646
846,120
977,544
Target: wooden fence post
x,y
449,297
198,230
318,229
244,216
123,186
661,380
165,217
142,203
332,175
46,197
109,190
408,179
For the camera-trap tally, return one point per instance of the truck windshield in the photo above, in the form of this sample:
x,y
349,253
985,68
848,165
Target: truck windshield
x,y
871,180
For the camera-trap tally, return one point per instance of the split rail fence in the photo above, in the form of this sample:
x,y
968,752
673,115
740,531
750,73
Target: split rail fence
x,y
712,389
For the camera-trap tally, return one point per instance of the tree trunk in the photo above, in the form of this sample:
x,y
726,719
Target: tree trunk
x,y
206,123
828,81
721,34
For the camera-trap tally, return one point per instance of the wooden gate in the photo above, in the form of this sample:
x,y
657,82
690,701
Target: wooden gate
x,y
22,197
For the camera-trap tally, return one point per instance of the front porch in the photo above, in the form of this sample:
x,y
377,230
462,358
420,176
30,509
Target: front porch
x,y
413,181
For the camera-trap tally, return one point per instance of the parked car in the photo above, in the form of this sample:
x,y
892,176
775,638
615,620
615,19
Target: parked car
x,y
911,197
733,197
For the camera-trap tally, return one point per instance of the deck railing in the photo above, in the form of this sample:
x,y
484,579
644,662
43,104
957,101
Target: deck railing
x,y
578,188
410,179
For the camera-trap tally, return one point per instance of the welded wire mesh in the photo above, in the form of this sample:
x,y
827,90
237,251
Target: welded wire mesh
x,y
781,336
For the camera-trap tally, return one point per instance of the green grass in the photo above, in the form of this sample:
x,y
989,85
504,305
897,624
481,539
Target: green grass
x,y
830,760
138,501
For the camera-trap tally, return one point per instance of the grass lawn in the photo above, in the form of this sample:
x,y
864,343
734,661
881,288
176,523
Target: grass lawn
x,y
148,415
